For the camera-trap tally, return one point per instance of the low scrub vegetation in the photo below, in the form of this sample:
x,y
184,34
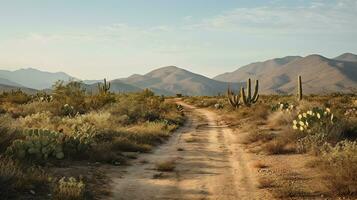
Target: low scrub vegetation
x,y
324,126
72,125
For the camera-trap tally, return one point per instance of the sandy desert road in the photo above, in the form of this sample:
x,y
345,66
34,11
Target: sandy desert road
x,y
210,164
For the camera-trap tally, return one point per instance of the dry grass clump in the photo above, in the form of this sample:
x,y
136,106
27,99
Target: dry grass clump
x,y
280,119
69,189
257,136
340,163
278,146
255,112
15,178
44,120
166,166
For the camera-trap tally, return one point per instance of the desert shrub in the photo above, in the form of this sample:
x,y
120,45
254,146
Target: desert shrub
x,y
43,120
257,136
98,119
15,96
6,121
280,119
106,152
311,143
99,100
141,107
69,188
278,146
7,136
32,107
149,133
15,178
174,117
10,175
71,94
43,97
340,163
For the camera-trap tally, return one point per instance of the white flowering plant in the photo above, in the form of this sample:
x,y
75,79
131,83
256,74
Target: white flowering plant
x,y
305,121
283,106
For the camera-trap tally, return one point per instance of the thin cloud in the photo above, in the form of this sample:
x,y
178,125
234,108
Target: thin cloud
x,y
315,17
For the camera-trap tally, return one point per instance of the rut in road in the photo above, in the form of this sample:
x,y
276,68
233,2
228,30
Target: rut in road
x,y
212,165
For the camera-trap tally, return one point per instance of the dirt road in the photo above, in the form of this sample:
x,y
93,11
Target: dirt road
x,y
210,164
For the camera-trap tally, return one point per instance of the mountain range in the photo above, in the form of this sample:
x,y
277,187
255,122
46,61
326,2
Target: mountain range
x,y
319,74
278,75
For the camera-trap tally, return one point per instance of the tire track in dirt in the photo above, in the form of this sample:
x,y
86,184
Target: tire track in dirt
x,y
211,165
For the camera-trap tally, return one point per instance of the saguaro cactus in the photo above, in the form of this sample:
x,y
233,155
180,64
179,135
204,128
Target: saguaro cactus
x,y
299,89
233,99
105,87
248,99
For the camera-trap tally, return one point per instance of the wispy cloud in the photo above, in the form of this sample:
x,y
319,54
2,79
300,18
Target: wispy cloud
x,y
316,16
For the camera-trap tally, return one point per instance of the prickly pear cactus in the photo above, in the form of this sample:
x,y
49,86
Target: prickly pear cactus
x,y
38,144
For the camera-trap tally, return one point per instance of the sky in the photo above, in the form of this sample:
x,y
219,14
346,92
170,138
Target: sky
x,y
93,39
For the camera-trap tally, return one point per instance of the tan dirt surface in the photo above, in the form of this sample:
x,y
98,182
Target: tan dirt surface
x,y
209,164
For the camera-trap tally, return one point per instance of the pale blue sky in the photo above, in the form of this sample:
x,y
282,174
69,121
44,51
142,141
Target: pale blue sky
x,y
92,39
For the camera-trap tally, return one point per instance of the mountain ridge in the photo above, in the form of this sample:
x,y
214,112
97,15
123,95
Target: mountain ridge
x,y
319,74
278,75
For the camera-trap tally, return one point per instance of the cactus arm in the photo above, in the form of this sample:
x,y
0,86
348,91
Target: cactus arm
x,y
249,90
243,97
256,90
256,99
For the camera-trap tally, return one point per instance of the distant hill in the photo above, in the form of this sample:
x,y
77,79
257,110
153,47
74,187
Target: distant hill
x,y
33,78
115,86
4,81
172,80
256,69
319,74
349,57
7,88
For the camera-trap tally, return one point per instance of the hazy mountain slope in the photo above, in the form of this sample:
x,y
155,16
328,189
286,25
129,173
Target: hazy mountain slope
x,y
7,88
319,75
172,80
116,87
349,57
4,81
255,69
33,78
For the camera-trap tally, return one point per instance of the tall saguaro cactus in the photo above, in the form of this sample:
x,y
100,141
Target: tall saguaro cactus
x,y
248,99
104,88
299,89
233,99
